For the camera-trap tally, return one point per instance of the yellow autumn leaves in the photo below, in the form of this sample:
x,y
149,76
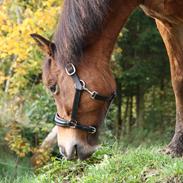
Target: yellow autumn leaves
x,y
18,52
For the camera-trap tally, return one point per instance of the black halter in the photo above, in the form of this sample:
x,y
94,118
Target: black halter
x,y
80,86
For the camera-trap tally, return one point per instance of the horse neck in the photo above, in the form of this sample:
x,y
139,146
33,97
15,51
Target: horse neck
x,y
100,51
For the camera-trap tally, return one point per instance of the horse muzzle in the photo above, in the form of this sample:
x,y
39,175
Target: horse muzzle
x,y
77,151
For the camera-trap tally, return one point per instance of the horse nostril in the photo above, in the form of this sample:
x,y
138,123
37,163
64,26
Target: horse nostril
x,y
69,153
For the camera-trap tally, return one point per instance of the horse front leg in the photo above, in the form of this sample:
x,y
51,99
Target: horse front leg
x,y
173,38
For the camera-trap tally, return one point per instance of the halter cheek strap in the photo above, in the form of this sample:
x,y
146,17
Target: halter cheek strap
x,y
80,87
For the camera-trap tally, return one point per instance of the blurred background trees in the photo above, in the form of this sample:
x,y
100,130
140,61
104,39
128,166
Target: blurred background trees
x,y
142,72
26,109
145,101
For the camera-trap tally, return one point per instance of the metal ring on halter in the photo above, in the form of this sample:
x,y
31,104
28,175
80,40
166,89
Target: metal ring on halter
x,y
73,124
83,84
73,67
94,130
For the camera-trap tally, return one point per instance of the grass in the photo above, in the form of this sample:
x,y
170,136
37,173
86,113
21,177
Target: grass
x,y
8,170
113,163
110,165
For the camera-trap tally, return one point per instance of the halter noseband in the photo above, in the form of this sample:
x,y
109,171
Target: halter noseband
x,y
80,86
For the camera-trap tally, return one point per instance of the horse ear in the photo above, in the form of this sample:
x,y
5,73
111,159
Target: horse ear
x,y
46,45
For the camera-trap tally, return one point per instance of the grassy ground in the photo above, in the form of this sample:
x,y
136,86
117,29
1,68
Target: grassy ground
x,y
113,163
109,165
10,170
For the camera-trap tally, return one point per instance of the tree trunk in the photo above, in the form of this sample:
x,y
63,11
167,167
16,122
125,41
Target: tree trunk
x,y
131,113
126,116
140,107
119,111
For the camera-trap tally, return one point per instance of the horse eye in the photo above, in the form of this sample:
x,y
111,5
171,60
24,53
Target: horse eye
x,y
54,89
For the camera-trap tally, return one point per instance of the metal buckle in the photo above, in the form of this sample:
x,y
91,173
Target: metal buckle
x,y
93,94
94,130
72,67
73,124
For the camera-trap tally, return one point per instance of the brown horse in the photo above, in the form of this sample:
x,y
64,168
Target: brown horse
x,y
81,50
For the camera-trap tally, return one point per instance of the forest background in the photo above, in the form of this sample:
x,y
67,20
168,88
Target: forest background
x,y
142,113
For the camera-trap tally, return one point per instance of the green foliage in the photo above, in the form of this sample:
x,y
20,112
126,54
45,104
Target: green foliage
x,y
16,142
39,109
143,56
28,122
141,67
160,109
9,171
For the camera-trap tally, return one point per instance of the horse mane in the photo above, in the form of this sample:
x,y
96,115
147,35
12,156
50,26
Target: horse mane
x,y
80,19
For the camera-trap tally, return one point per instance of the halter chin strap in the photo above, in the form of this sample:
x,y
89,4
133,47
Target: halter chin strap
x,y
80,86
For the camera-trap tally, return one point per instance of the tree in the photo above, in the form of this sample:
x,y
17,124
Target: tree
x,y
20,60
143,63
